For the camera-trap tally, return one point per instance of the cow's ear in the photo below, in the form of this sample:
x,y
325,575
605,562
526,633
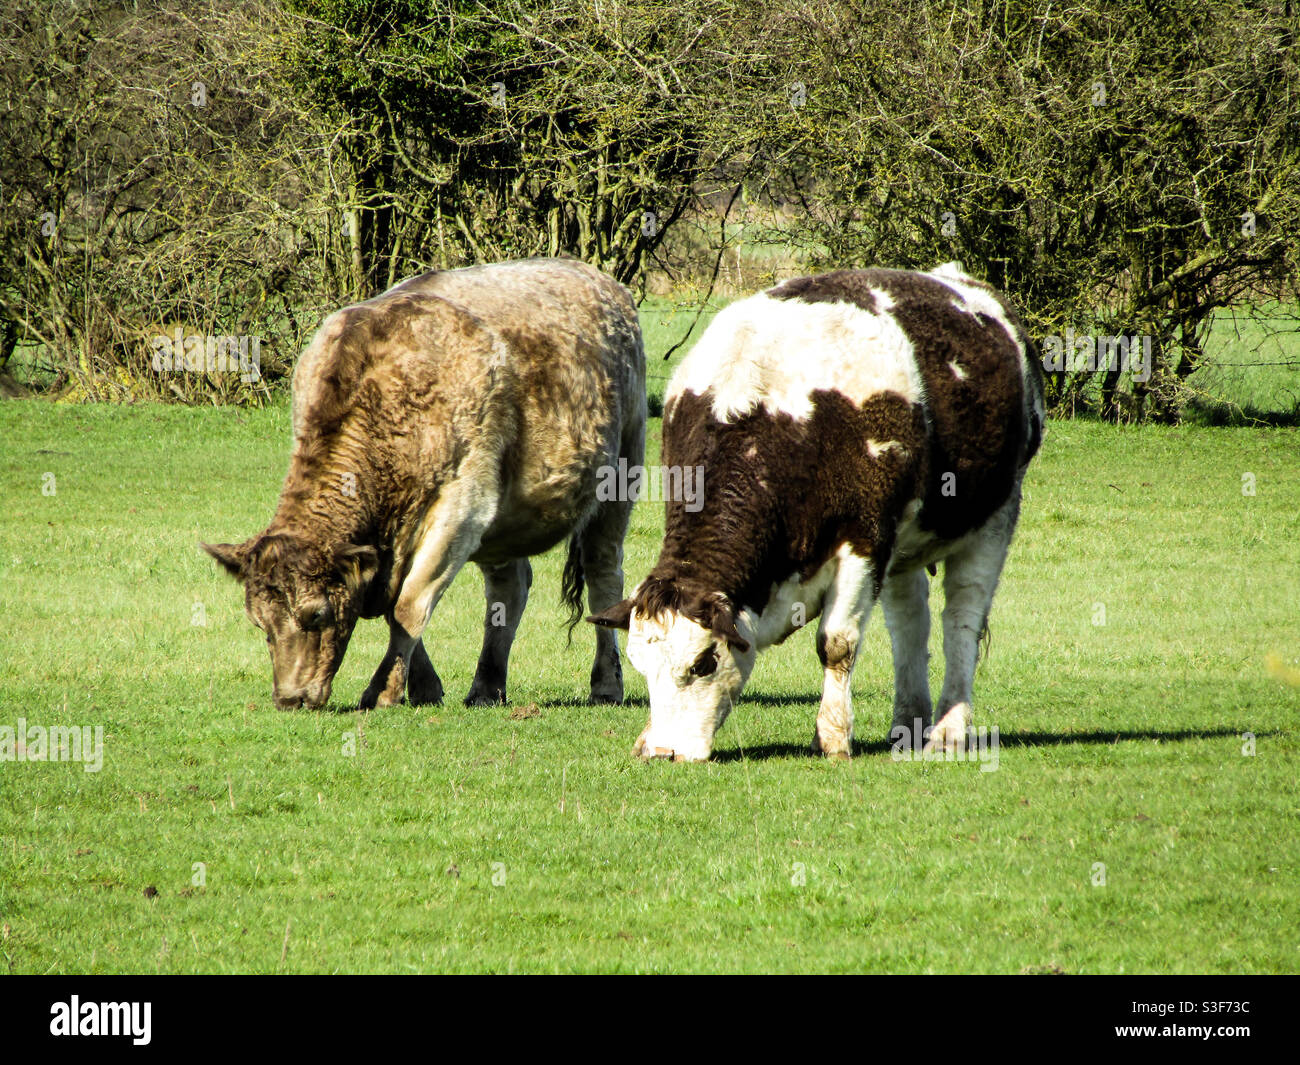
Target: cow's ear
x,y
357,564
722,624
615,617
232,557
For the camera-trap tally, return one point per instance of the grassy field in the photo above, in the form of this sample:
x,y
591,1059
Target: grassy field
x,y
1252,371
1142,598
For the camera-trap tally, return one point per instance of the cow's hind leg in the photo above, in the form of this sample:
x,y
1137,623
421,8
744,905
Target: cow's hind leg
x,y
601,546
905,598
970,577
424,688
844,616
506,590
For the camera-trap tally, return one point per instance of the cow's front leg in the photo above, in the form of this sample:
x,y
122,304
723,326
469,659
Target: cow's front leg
x,y
970,577
844,616
453,534
905,598
506,589
388,685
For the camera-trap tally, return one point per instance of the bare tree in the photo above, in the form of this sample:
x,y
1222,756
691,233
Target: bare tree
x,y
1122,169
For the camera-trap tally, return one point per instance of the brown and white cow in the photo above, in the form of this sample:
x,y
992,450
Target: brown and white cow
x,y
462,416
855,428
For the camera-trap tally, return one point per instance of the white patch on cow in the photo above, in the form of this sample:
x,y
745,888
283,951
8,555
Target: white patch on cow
x,y
774,353
973,298
449,533
949,731
850,592
790,604
875,448
685,710
914,546
848,603
957,371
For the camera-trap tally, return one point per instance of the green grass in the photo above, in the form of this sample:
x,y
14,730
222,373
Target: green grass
x,y
1252,371
670,327
1121,744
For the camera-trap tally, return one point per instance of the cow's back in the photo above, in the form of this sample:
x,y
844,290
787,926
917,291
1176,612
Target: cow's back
x,y
554,322
833,409
981,387
532,372
575,388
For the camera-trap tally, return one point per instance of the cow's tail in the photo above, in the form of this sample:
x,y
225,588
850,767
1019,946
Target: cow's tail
x,y
573,583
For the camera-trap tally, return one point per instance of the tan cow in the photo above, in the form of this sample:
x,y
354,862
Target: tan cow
x,y
462,416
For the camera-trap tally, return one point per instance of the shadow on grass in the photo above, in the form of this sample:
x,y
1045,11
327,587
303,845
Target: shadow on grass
x,y
1221,414
330,707
644,703
343,708
1099,737
580,704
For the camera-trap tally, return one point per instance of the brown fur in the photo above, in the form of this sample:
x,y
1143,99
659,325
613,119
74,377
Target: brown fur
x,y
977,428
514,383
783,495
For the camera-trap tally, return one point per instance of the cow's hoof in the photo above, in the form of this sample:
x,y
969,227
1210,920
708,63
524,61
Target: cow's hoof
x,y
950,733
387,687
485,695
424,693
606,682
837,753
375,696
830,756
907,734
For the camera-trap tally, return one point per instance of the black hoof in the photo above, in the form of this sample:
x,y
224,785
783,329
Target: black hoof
x,y
485,695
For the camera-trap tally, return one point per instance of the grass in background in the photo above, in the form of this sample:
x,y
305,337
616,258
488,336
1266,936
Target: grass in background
x,y
1142,596
671,325
1252,370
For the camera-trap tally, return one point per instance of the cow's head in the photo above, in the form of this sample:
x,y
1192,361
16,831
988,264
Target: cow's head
x,y
683,637
306,600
